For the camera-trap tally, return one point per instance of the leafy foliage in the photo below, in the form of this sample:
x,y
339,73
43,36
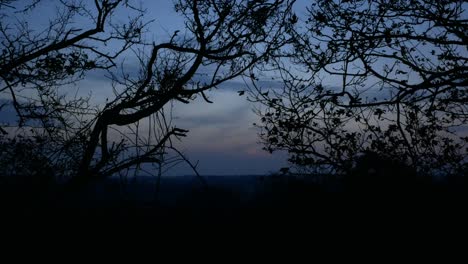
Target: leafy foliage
x,y
383,76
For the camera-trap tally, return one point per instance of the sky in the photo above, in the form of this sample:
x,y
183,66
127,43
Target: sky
x,y
221,138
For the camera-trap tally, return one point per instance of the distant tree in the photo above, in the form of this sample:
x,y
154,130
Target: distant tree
x,y
385,76
227,37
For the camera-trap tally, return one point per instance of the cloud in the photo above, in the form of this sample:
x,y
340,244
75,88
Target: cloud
x,y
228,121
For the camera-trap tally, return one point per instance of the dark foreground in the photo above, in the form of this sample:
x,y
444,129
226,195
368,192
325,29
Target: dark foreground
x,y
246,200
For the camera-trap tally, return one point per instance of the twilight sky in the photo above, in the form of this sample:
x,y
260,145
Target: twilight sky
x,y
222,137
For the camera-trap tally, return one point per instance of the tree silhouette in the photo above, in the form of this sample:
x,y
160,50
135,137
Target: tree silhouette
x,y
382,76
228,37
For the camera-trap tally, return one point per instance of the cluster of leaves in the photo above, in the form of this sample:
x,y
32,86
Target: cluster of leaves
x,y
385,76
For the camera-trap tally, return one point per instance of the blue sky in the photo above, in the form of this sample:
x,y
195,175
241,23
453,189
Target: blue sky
x,y
222,137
